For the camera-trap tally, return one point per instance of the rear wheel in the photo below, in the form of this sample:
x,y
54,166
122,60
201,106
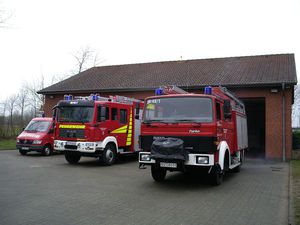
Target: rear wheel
x,y
47,150
109,155
22,152
158,173
72,157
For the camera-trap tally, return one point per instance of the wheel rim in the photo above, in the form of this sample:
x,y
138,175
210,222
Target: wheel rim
x,y
109,155
47,151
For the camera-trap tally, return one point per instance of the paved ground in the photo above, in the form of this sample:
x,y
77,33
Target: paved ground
x,y
47,190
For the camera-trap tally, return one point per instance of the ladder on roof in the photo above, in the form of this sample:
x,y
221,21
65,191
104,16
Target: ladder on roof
x,y
172,89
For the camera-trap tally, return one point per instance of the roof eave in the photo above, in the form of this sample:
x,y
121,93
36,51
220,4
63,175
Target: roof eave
x,y
249,85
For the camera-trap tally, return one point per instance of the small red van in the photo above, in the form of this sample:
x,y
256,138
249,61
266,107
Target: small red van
x,y
37,136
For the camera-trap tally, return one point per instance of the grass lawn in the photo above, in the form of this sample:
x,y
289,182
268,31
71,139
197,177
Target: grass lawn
x,y
296,189
7,144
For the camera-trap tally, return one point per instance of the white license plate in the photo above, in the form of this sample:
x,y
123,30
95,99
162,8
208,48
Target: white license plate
x,y
71,143
25,148
168,165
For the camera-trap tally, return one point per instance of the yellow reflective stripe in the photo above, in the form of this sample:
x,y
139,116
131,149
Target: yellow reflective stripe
x,y
72,126
129,136
121,130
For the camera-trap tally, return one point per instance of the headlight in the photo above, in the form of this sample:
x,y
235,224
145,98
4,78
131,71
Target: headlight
x,y
145,157
18,141
202,159
37,142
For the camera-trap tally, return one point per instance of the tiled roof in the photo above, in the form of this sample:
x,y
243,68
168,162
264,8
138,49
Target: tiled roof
x,y
247,71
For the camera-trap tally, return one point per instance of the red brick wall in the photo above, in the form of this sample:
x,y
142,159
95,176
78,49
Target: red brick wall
x,y
273,116
273,101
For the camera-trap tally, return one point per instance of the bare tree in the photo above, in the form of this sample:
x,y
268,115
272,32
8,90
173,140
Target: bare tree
x,y
35,100
11,104
4,17
22,103
86,58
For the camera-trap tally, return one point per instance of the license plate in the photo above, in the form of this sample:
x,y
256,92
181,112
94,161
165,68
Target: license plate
x,y
71,143
168,165
25,148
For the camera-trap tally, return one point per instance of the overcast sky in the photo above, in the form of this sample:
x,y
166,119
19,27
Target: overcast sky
x,y
41,36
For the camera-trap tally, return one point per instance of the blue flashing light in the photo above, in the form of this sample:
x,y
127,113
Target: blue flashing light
x,y
68,97
159,91
208,90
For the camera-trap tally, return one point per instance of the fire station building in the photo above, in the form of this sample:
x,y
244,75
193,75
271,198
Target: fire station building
x,y
265,83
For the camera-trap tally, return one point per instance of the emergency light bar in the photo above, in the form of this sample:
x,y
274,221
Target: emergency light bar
x,y
68,97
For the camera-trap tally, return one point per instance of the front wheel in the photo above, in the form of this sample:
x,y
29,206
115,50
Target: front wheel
x,y
72,157
216,176
47,150
109,155
158,173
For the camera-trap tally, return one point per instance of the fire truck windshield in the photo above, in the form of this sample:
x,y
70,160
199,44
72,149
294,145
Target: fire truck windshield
x,y
75,114
179,109
38,126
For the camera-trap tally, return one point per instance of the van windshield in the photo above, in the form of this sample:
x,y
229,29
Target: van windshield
x,y
75,114
179,109
38,126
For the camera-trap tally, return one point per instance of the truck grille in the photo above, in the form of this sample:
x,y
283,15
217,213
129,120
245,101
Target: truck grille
x,y
191,144
71,133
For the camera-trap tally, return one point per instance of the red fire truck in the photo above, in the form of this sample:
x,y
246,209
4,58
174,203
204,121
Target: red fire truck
x,y
182,131
97,127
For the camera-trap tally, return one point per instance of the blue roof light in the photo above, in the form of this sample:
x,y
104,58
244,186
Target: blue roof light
x,y
159,91
68,97
208,90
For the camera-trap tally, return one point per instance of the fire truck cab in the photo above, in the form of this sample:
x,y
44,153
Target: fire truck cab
x,y
182,130
97,126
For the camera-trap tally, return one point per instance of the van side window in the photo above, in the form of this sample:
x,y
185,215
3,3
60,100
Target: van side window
x,y
218,111
123,116
114,114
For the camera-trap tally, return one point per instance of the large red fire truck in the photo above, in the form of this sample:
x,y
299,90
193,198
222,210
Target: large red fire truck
x,y
97,127
181,131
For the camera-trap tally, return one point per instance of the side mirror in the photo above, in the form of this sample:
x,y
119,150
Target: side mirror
x,y
54,112
137,111
23,128
227,109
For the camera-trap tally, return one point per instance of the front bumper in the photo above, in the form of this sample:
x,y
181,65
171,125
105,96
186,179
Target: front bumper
x,y
193,159
30,148
78,146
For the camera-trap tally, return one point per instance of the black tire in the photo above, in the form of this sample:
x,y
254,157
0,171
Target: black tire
x,y
158,173
216,175
47,150
22,152
72,157
109,155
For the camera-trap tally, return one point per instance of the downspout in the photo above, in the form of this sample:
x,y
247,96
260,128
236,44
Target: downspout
x,y
283,124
